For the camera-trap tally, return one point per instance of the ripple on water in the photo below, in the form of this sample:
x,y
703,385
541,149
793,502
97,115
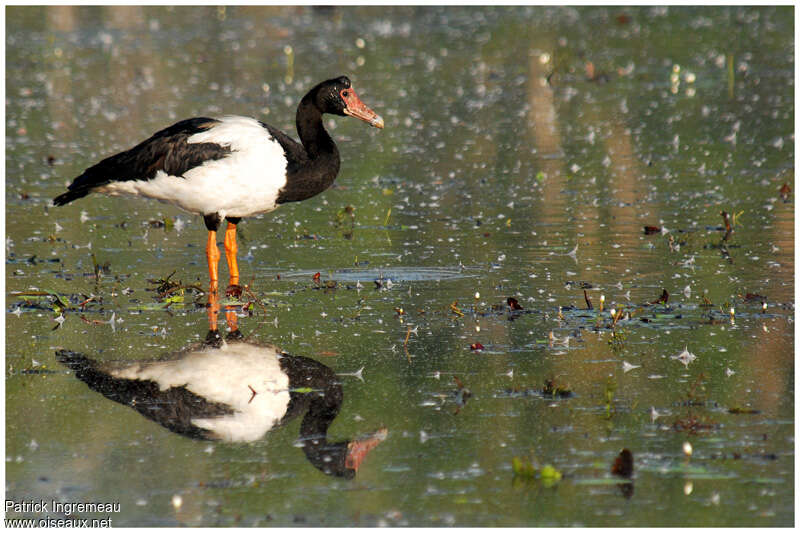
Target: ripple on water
x,y
396,274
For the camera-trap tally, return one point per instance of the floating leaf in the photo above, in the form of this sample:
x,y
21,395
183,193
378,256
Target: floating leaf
x,y
664,298
556,391
743,411
523,468
550,475
650,230
623,464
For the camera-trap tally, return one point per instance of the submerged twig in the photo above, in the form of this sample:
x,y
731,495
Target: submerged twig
x,y
405,344
454,308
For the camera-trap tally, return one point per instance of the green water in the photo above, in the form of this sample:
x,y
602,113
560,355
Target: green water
x,y
503,151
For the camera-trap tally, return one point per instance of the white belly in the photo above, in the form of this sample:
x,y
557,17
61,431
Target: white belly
x,y
242,184
243,376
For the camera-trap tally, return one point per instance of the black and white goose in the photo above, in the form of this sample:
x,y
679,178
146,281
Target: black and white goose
x,y
232,391
230,167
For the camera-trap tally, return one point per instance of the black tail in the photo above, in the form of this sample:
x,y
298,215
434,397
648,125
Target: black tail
x,y
69,196
173,408
78,363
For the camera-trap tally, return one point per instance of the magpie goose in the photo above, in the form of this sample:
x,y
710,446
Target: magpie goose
x,y
230,167
233,391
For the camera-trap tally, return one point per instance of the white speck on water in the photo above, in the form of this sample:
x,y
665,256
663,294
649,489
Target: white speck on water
x,y
574,253
687,449
627,367
654,414
685,356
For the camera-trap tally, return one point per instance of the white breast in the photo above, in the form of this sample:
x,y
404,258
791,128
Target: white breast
x,y
227,375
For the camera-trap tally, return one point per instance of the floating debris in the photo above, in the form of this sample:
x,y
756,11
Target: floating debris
x,y
651,230
524,470
574,253
357,374
462,395
513,304
687,449
664,298
623,464
743,411
785,192
627,367
556,391
685,356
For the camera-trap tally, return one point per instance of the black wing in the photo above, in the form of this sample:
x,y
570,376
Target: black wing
x,y
173,408
167,150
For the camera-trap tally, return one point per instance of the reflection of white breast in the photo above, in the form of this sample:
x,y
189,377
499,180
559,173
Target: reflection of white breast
x,y
229,375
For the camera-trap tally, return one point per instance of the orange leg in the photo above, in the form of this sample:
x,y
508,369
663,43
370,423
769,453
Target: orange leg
x,y
213,311
213,337
231,249
212,254
232,319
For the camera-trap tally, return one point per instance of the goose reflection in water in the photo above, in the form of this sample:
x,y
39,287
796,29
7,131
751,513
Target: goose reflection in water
x,y
232,390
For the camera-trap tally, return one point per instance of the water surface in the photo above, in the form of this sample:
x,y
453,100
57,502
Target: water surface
x,y
525,151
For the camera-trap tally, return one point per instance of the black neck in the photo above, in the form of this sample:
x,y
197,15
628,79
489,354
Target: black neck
x,y
329,457
315,139
321,404
312,168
